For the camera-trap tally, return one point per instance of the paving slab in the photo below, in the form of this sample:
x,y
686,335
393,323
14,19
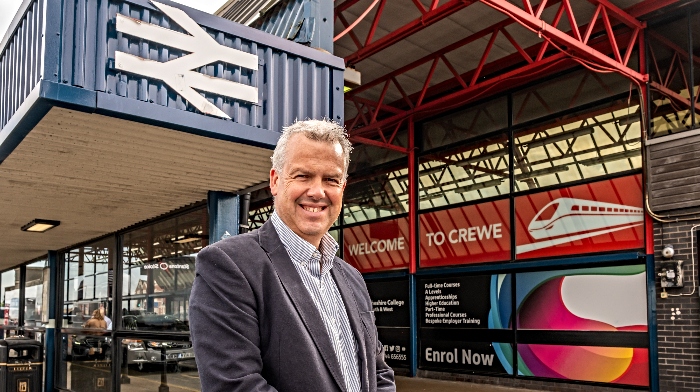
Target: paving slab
x,y
408,384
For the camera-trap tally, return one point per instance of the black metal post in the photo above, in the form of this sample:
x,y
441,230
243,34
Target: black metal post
x,y
164,374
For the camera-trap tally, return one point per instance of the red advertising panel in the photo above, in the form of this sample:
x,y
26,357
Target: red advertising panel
x,y
377,246
473,234
597,217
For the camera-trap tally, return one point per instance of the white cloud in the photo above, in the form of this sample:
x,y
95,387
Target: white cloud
x,y
209,6
9,9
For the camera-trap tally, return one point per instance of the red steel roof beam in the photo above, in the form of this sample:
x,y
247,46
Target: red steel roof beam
x,y
494,66
558,37
407,30
672,95
639,9
446,102
432,56
648,6
527,71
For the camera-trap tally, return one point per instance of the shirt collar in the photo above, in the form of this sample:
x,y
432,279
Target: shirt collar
x,y
302,252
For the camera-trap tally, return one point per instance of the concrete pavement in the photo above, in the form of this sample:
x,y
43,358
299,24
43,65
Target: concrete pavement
x,y
408,384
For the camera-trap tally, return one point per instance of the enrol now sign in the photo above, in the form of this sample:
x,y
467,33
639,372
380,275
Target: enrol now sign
x,y
471,234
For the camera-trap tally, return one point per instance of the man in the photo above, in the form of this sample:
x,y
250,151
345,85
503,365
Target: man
x,y
104,315
274,309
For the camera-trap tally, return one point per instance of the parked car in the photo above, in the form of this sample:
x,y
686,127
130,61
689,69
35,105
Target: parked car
x,y
142,353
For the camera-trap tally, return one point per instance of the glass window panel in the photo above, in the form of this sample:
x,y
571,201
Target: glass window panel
x,y
152,365
598,142
73,286
101,285
464,173
466,124
36,294
88,289
159,265
88,283
566,92
9,290
260,215
85,364
377,183
260,208
669,76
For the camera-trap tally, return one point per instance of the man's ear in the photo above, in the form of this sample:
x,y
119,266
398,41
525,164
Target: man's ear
x,y
274,181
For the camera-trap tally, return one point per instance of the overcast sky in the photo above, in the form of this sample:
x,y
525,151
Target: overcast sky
x,y
8,9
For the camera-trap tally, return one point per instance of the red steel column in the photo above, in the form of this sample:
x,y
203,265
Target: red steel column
x,y
646,127
412,200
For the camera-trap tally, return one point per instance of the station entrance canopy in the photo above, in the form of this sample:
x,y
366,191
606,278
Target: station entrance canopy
x,y
115,112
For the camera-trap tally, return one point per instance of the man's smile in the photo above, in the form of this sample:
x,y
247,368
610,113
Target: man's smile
x,y
313,209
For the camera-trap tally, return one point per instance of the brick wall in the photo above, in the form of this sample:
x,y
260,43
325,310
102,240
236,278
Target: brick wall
x,y
679,334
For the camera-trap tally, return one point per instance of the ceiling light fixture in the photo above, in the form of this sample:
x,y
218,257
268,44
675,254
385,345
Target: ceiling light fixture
x,y
40,225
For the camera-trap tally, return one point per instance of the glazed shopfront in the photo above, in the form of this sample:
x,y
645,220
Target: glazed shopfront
x,y
531,239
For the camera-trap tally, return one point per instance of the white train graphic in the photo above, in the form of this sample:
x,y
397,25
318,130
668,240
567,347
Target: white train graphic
x,y
566,219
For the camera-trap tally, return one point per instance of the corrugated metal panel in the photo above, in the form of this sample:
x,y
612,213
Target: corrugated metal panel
x,y
283,20
20,60
290,85
245,11
674,171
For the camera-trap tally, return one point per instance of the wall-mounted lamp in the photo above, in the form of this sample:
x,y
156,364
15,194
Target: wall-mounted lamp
x,y
40,225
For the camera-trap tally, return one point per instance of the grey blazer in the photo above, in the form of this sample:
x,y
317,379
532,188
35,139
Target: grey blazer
x,y
255,327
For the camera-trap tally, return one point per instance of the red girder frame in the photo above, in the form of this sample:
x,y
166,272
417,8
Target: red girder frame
x,y
664,77
617,33
378,121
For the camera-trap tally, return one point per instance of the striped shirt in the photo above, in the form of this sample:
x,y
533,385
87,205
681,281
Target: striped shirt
x,y
319,282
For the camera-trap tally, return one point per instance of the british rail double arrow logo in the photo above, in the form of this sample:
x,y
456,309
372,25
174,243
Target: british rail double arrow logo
x,y
178,73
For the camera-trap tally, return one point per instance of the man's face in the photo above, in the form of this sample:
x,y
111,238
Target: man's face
x,y
309,190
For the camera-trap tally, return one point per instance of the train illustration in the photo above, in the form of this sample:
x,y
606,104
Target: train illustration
x,y
568,216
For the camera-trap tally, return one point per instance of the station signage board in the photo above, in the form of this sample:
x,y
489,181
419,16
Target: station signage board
x,y
465,235
455,302
377,246
597,217
459,329
601,216
392,318
470,234
479,357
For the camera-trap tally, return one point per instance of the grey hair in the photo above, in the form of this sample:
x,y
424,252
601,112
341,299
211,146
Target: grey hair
x,y
319,130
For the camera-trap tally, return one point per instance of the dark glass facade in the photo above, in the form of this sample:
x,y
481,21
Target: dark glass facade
x,y
138,282
523,179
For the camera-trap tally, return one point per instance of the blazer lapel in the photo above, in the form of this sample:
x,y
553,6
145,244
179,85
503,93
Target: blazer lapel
x,y
358,327
303,303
